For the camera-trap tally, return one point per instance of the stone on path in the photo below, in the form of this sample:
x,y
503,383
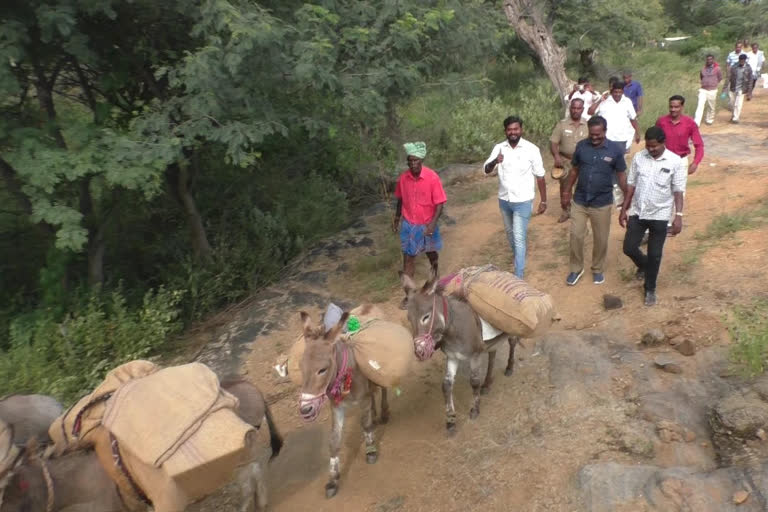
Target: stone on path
x,y
667,365
612,302
653,337
740,497
687,348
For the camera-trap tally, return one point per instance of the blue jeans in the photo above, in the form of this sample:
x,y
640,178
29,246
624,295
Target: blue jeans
x,y
516,217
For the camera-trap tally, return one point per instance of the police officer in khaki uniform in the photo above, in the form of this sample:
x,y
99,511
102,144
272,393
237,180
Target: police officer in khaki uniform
x,y
562,144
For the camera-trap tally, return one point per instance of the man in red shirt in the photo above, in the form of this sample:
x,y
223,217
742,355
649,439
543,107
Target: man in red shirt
x,y
420,198
680,131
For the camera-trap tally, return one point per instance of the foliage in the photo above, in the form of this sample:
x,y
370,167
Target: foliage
x,y
67,358
748,326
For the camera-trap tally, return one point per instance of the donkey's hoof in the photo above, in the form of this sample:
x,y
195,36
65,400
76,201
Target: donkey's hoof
x,y
508,372
474,413
485,390
372,457
331,488
384,418
450,429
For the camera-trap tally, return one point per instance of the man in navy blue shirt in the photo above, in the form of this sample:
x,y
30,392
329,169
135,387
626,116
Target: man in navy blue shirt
x,y
634,91
595,162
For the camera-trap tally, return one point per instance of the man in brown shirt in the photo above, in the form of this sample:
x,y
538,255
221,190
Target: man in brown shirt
x,y
562,144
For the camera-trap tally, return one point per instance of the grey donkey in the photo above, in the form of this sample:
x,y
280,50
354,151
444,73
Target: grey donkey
x,y
329,370
450,324
77,482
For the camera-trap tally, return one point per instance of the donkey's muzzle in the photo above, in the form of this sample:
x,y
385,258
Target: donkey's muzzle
x,y
424,347
309,408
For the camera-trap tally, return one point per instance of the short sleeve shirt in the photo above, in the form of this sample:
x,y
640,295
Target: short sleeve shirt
x,y
420,195
619,116
519,170
655,180
567,135
597,165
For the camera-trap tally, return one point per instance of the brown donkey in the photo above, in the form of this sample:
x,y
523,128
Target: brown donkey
x,y
329,370
77,481
450,324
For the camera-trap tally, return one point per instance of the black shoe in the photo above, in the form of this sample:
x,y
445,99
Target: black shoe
x,y
650,298
640,275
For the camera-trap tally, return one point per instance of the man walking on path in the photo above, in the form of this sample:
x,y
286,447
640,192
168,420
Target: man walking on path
x,y
619,113
562,144
681,131
519,166
420,198
711,75
595,162
634,91
755,59
740,80
655,184
733,57
582,91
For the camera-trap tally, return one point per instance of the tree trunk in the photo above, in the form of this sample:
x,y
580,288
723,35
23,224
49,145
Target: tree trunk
x,y
200,246
530,25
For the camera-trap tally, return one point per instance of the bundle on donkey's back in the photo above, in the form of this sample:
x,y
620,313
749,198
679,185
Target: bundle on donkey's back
x,y
92,467
451,315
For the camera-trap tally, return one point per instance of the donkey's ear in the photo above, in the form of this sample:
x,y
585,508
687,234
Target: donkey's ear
x,y
334,331
306,322
408,284
430,287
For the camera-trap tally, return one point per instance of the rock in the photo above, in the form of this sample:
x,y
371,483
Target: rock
x,y
667,365
740,497
741,416
670,432
761,387
761,434
653,337
686,347
690,436
612,302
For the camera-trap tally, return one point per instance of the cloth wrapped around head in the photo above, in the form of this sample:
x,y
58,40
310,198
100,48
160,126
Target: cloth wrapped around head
x,y
417,149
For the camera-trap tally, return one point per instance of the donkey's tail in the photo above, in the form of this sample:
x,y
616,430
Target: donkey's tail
x,y
275,439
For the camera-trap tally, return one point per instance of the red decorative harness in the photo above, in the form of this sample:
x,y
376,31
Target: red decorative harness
x,y
337,390
424,346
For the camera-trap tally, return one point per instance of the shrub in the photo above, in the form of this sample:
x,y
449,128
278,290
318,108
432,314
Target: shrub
x,y
67,358
749,329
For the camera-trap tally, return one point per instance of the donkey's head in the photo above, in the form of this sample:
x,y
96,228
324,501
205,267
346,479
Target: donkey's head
x,y
425,313
318,364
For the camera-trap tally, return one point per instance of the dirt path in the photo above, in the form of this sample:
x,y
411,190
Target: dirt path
x,y
536,430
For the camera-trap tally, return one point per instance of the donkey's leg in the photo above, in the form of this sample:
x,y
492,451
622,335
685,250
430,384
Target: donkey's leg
x,y
332,487
475,363
366,422
512,340
486,388
384,417
373,387
451,365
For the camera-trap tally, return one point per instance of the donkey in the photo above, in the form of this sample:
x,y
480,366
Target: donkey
x,y
329,371
78,481
30,416
450,324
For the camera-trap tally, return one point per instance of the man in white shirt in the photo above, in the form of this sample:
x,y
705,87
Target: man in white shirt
x,y
619,113
755,59
733,57
520,169
582,91
656,182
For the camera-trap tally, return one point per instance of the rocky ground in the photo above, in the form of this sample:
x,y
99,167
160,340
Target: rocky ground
x,y
627,409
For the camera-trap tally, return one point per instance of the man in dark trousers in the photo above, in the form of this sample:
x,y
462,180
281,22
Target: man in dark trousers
x,y
655,184
595,163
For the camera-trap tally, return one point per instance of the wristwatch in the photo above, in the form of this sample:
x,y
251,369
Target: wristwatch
x,y
679,214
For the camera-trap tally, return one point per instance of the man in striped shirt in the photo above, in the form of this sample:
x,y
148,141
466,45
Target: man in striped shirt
x,y
656,183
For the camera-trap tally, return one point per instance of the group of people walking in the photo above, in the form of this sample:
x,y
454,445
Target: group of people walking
x,y
742,71
589,149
